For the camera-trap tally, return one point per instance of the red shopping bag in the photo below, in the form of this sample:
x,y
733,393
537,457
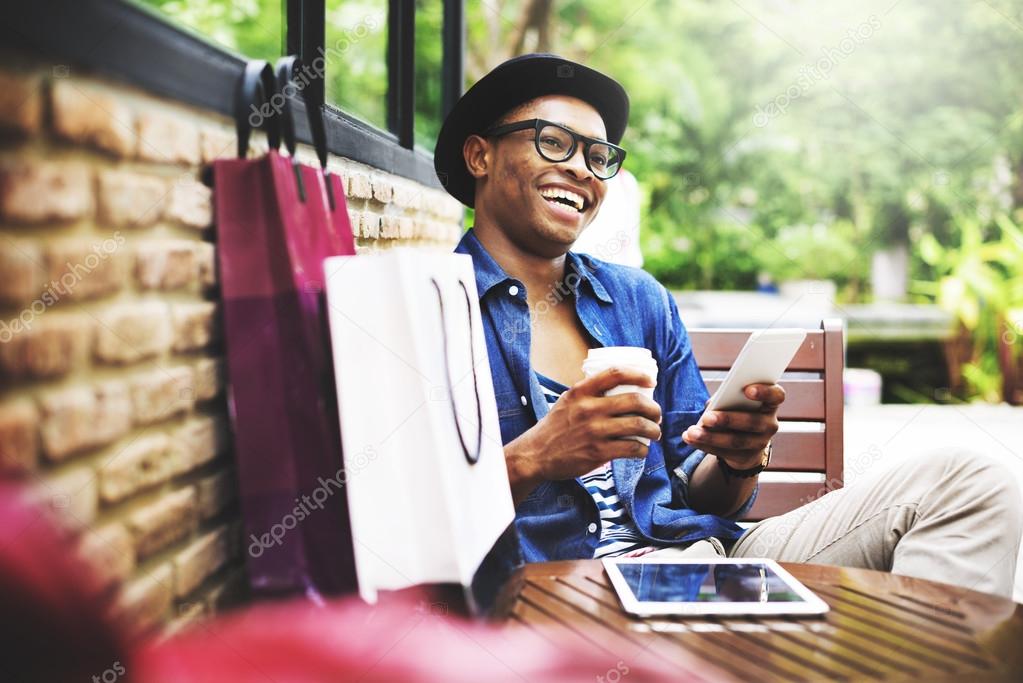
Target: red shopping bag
x,y
276,221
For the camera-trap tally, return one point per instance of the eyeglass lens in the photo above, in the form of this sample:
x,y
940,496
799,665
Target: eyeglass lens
x,y
557,144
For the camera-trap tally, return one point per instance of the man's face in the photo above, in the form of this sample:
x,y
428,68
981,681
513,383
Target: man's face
x,y
520,190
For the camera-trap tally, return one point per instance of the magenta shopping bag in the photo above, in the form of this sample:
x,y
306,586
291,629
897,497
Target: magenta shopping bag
x,y
276,221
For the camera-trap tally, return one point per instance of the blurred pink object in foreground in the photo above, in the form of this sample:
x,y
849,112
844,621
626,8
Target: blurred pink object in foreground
x,y
56,625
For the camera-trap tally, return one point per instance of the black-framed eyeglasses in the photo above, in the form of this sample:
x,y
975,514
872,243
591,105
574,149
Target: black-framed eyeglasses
x,y
556,143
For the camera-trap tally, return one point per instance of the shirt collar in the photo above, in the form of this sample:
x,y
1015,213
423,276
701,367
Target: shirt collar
x,y
489,273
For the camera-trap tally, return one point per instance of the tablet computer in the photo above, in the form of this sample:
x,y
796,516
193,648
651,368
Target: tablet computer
x,y
708,586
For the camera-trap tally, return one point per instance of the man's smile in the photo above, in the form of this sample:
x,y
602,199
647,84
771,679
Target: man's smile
x,y
559,194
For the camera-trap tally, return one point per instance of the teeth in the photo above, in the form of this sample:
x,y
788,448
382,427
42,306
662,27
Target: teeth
x,y
558,193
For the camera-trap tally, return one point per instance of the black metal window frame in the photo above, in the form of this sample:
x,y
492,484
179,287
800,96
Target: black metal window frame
x,y
136,45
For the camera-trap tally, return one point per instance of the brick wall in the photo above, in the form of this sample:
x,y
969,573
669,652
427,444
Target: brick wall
x,y
112,396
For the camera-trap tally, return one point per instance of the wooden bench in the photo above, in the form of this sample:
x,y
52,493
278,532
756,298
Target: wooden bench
x,y
810,438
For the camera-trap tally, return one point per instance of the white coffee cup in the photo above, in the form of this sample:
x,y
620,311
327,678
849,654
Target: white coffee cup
x,y
626,358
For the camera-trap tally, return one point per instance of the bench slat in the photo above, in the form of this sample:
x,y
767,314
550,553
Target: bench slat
x,y
779,497
804,399
798,452
716,349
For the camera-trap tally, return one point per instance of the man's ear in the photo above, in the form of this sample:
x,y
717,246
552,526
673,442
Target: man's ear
x,y
476,151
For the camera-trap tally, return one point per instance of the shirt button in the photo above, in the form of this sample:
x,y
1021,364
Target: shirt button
x,y
513,290
523,401
592,528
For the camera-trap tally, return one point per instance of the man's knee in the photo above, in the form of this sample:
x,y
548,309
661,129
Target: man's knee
x,y
990,478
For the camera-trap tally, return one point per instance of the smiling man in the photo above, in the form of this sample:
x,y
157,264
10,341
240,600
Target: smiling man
x,y
530,147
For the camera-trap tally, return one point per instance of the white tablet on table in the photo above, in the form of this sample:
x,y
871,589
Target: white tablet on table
x,y
709,586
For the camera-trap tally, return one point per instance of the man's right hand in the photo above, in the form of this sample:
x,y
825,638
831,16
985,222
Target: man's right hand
x,y
584,430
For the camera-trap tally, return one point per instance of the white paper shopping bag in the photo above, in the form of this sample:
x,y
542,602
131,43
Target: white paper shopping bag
x,y
424,464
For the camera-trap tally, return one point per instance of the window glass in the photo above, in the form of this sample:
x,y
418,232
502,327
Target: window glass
x,y
253,28
429,58
355,56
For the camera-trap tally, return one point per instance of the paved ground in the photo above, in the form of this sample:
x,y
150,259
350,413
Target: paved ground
x,y
879,434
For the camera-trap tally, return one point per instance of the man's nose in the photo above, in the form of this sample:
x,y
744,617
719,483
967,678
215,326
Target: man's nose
x,y
576,164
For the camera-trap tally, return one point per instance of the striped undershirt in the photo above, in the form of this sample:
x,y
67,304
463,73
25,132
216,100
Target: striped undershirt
x,y
618,533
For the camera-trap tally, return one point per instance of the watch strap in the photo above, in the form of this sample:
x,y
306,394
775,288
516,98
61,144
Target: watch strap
x,y
730,472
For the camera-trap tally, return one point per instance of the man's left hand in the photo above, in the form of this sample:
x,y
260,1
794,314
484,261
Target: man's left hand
x,y
739,437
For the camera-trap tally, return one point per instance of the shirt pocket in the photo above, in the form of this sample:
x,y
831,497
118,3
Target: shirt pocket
x,y
674,422
509,404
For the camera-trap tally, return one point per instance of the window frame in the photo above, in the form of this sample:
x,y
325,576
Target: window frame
x,y
137,45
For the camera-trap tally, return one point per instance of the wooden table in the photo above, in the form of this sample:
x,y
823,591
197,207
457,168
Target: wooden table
x,y
880,626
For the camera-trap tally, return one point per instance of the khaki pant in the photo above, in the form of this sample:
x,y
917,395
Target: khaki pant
x,y
949,516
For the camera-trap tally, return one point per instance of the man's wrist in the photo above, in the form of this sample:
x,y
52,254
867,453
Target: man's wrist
x,y
523,473
748,469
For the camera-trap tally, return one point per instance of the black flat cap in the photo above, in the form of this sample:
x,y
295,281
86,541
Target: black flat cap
x,y
510,84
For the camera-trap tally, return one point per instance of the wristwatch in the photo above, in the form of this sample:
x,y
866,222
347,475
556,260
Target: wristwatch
x,y
730,471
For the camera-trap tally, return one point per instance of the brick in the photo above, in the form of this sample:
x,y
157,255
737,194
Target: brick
x,y
389,227
195,325
189,614
166,265
90,114
80,269
44,346
113,411
127,333
345,182
41,191
200,560
216,492
71,495
67,421
406,227
360,186
206,264
383,190
217,144
145,462
130,200
190,204
80,418
167,520
21,272
210,378
162,393
420,228
110,550
231,591
167,137
198,441
145,602
19,436
368,226
21,102
407,197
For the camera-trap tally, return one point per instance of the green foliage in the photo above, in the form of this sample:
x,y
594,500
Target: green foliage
x,y
980,281
253,28
789,138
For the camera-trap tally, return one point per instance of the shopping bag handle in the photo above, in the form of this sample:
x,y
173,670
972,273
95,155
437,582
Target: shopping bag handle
x,y
286,69
253,107
472,456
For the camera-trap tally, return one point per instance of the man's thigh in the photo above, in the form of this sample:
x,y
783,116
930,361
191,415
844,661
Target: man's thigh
x,y
853,527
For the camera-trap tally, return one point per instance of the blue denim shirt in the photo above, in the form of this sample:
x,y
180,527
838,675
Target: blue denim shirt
x,y
618,306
